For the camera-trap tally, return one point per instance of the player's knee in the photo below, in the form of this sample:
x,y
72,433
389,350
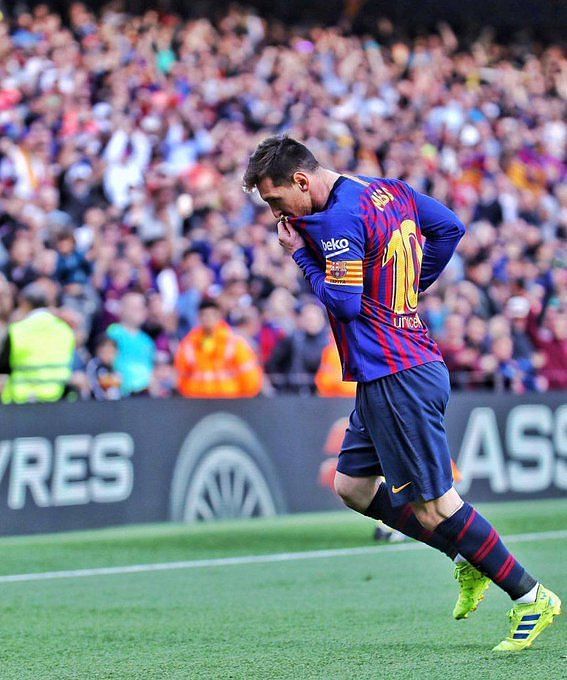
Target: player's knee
x,y
431,513
354,492
428,517
344,489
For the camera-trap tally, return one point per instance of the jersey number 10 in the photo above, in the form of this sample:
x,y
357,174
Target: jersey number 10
x,y
406,252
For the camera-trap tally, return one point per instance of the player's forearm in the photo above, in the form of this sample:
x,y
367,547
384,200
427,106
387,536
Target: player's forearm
x,y
344,306
443,230
436,256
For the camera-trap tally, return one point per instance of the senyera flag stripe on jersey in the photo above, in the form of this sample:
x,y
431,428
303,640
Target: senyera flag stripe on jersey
x,y
344,272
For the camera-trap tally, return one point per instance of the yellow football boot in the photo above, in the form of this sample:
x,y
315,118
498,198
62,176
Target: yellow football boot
x,y
529,620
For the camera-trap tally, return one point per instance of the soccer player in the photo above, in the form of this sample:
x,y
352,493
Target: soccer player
x,y
368,246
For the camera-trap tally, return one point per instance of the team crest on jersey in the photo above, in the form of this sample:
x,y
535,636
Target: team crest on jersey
x,y
344,272
338,270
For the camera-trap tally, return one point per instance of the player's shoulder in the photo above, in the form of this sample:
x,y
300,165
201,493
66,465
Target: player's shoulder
x,y
360,191
345,202
389,185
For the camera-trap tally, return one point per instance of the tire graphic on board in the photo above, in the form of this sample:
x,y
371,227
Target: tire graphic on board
x,y
222,471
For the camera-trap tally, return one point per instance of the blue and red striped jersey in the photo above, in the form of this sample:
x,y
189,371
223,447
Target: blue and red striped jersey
x,y
373,247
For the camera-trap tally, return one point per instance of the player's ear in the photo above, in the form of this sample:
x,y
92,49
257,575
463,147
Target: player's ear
x,y
301,179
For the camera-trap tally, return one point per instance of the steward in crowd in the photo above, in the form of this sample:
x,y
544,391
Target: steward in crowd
x,y
37,353
213,361
329,377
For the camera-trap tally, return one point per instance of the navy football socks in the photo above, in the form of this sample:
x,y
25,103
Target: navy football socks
x,y
404,520
466,533
478,541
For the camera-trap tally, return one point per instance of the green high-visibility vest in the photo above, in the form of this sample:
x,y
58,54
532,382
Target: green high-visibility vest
x,y
41,354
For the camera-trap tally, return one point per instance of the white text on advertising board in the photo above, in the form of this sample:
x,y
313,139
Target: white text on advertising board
x,y
73,470
531,456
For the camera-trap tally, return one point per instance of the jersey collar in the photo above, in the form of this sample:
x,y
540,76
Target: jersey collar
x,y
335,186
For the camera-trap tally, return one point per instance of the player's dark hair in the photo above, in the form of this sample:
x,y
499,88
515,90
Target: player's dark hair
x,y
278,158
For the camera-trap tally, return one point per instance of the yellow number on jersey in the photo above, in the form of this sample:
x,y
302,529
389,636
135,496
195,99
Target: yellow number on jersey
x,y
406,252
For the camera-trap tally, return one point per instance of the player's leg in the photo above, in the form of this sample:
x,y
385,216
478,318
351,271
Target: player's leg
x,y
359,483
369,496
403,415
411,410
478,541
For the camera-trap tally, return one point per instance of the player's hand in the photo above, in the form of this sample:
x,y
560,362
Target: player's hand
x,y
289,238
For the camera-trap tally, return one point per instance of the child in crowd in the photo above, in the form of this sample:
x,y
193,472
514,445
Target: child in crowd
x,y
104,381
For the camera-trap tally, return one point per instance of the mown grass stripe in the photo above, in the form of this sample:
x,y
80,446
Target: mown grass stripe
x,y
254,559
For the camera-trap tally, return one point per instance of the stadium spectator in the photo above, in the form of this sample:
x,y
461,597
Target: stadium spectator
x,y
136,350
37,352
104,381
297,357
196,284
164,378
329,377
6,303
132,137
161,326
508,374
72,266
212,361
517,311
19,270
551,341
458,354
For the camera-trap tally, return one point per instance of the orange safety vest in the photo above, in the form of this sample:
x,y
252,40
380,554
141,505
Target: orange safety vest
x,y
329,377
219,365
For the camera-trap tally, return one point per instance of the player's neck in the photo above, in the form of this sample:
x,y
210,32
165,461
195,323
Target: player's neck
x,y
322,187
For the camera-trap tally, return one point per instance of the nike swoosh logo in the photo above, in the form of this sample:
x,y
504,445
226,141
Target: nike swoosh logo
x,y
397,489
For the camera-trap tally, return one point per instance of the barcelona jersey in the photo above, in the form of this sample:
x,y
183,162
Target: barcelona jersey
x,y
369,241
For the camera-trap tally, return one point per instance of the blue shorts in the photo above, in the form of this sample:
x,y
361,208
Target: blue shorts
x,y
397,431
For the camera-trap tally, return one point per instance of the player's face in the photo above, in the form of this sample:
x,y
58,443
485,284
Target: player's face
x,y
289,200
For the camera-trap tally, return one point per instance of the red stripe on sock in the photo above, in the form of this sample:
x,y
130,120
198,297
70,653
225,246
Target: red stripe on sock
x,y
425,535
466,527
505,569
487,547
407,512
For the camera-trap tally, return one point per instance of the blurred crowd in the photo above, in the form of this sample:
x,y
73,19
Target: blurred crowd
x,y
122,146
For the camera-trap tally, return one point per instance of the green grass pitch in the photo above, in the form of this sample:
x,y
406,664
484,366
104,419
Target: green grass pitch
x,y
381,615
